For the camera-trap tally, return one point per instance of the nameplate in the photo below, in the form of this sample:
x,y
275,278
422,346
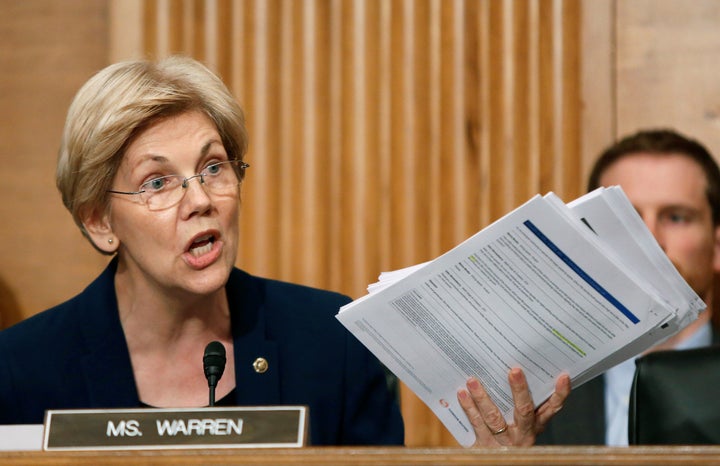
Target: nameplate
x,y
142,429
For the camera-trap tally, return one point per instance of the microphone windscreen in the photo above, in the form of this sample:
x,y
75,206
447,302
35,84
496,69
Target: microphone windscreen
x,y
214,359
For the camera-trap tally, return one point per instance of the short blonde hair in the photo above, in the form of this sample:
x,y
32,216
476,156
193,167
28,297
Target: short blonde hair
x,y
120,101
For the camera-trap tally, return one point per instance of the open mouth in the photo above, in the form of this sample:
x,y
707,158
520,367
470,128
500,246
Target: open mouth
x,y
202,245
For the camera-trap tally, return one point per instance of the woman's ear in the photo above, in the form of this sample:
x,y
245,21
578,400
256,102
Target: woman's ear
x,y
99,231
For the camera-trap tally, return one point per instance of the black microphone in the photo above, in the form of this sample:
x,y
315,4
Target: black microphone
x,y
214,365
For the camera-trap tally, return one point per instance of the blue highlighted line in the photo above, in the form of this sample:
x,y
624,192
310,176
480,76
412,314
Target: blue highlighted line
x,y
587,278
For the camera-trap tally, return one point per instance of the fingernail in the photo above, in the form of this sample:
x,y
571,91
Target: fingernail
x,y
473,383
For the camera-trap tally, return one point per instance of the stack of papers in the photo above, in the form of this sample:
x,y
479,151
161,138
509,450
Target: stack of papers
x,y
550,287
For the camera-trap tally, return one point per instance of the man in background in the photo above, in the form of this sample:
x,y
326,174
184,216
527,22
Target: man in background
x,y
674,183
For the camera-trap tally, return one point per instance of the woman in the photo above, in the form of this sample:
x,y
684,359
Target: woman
x,y
150,168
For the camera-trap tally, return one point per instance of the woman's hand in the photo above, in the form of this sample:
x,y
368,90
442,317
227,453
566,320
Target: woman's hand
x,y
488,422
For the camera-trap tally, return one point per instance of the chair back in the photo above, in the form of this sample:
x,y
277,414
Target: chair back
x,y
675,398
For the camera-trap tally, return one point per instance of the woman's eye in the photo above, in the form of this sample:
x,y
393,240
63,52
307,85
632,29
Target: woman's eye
x,y
155,184
213,169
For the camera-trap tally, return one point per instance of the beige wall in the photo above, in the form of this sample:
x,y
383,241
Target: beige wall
x,y
383,132
668,64
48,49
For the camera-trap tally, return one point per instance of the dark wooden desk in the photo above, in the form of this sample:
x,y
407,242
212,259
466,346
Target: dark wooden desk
x,y
631,456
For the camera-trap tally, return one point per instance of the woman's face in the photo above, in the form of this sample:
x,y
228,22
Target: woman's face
x,y
190,246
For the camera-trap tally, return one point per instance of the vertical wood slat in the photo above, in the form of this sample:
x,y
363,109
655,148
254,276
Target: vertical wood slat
x,y
405,207
313,161
357,170
126,38
260,227
383,170
498,196
335,147
385,132
288,150
546,109
597,83
573,181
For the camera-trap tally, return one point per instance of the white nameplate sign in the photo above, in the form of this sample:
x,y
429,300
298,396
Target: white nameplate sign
x,y
142,429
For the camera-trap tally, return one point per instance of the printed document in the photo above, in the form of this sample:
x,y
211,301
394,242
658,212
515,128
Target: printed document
x,y
551,288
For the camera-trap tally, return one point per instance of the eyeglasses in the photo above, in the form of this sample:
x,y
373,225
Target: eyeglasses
x,y
165,191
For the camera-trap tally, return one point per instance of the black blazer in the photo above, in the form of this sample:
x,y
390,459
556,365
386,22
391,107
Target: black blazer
x,y
582,419
75,356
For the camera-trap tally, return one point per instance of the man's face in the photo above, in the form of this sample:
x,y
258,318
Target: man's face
x,y
669,193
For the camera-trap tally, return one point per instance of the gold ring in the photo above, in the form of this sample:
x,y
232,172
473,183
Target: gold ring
x,y
498,432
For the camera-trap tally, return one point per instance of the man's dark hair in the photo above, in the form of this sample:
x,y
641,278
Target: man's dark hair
x,y
663,142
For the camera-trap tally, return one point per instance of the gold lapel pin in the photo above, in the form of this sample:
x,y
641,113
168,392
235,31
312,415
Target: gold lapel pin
x,y
260,365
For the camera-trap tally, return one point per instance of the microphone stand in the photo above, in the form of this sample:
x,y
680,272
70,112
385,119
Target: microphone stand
x,y
212,395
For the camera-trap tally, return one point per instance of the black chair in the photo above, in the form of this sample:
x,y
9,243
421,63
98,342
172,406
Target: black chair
x,y
675,398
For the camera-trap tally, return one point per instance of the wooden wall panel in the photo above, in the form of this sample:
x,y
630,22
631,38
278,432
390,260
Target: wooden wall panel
x,y
385,132
48,50
667,67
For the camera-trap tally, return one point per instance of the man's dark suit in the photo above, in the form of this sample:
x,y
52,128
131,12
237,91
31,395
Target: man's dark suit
x,y
582,419
75,356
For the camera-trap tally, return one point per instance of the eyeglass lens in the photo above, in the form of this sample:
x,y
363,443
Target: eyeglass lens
x,y
219,178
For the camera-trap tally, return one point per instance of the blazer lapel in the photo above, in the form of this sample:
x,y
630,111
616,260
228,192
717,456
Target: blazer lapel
x,y
257,363
106,365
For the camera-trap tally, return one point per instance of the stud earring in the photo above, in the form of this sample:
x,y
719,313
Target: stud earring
x,y
110,240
